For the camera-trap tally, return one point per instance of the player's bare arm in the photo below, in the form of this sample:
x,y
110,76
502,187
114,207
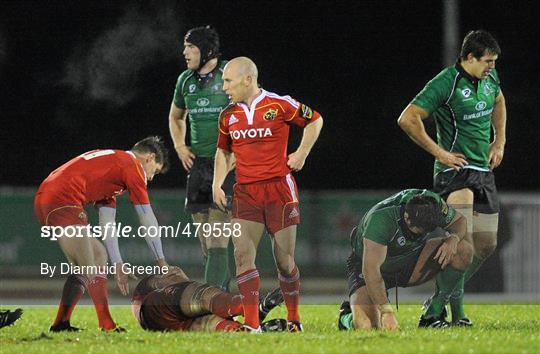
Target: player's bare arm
x,y
373,257
297,159
222,165
177,127
498,120
411,121
456,231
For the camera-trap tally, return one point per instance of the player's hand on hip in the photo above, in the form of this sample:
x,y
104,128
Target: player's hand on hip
x,y
455,160
496,154
296,160
389,321
447,250
220,199
186,156
122,279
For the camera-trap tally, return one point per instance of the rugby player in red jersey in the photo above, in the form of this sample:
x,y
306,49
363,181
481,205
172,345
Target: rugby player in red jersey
x,y
98,177
255,130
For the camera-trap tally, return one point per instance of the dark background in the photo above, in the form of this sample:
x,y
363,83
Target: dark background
x,y
79,75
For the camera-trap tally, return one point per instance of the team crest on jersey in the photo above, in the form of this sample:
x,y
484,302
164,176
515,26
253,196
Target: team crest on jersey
x,y
466,92
401,241
270,114
82,215
480,105
488,89
232,120
306,112
192,88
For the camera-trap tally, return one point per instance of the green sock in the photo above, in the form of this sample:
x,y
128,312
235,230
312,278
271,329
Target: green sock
x,y
447,280
456,299
217,268
346,321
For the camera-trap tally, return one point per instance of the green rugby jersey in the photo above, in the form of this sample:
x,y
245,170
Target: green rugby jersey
x,y
204,104
384,224
462,107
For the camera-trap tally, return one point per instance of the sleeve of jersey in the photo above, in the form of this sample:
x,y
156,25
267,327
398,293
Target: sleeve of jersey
x,y
376,229
178,98
495,75
224,138
298,113
434,94
109,203
136,184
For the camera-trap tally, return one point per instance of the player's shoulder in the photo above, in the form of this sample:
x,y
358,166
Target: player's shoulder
x,y
494,75
228,111
183,78
272,96
446,76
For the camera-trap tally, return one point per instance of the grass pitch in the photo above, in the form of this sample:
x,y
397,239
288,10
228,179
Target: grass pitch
x,y
498,329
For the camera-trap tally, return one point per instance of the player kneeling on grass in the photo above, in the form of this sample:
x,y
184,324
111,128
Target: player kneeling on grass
x,y
394,246
172,302
98,177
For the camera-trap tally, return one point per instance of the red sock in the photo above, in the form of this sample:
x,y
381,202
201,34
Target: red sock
x,y
72,293
290,287
226,305
97,289
227,326
248,284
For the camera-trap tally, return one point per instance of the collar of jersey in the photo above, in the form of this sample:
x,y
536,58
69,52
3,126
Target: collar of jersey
x,y
137,161
465,74
250,111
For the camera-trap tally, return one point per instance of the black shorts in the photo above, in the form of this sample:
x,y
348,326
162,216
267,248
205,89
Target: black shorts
x,y
356,280
199,186
482,183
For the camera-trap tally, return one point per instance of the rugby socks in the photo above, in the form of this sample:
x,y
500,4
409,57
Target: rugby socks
x,y
248,284
217,268
97,288
228,326
226,305
290,287
447,280
72,293
456,299
346,321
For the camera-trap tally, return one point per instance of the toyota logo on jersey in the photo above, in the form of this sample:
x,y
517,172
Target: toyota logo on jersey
x,y
251,133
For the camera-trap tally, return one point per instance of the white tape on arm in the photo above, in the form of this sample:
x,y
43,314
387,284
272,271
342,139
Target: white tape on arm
x,y
148,221
110,238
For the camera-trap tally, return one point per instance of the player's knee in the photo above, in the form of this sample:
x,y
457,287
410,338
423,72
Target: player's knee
x,y
100,255
463,258
243,257
485,246
285,266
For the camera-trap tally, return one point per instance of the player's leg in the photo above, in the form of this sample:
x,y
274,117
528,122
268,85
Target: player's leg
x,y
447,279
247,275
217,264
199,299
461,200
283,247
364,314
201,218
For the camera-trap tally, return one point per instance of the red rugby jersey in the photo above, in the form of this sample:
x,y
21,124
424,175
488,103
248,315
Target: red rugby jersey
x,y
97,176
258,134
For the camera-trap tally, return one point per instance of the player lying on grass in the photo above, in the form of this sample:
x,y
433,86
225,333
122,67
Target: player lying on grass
x,y
98,177
172,302
393,246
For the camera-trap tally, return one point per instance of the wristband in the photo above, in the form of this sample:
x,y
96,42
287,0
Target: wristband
x,y
386,308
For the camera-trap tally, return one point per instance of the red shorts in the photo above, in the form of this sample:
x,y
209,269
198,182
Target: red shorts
x,y
51,213
273,203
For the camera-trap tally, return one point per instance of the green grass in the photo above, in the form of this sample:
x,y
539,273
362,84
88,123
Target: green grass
x,y
498,329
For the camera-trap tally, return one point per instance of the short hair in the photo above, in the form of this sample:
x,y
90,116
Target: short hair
x,y
424,211
154,145
479,43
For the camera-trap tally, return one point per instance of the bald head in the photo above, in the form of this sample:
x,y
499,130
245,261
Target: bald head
x,y
240,79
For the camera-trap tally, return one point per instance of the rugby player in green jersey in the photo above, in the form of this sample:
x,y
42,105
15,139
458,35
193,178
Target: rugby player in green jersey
x,y
394,245
199,95
465,100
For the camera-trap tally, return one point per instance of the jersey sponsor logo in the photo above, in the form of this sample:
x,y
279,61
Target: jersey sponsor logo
x,y
205,110
478,114
203,102
192,88
306,112
480,105
232,120
270,114
401,241
251,133
466,92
